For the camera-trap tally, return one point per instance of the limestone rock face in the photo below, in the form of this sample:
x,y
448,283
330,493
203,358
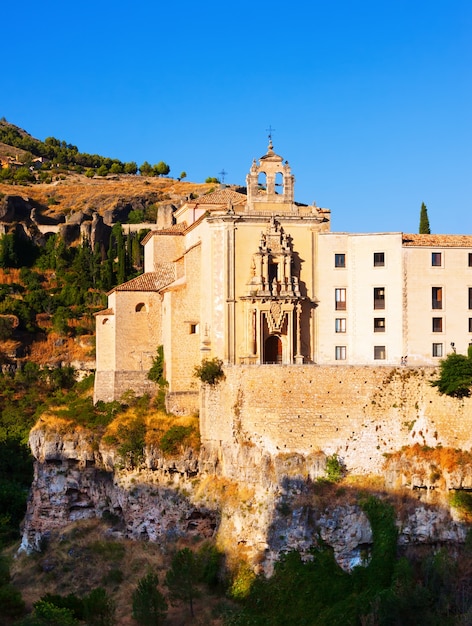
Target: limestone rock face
x,y
255,504
14,209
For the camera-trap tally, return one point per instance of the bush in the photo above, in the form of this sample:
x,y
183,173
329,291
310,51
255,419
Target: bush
x,y
174,438
149,605
461,500
210,372
455,376
334,468
11,602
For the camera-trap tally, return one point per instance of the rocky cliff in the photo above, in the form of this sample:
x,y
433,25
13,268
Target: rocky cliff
x,y
277,502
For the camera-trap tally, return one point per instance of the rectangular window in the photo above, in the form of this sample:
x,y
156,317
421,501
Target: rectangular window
x,y
379,259
340,299
193,329
470,324
379,297
437,349
341,325
379,324
437,325
437,297
340,353
470,259
339,260
379,353
470,297
436,259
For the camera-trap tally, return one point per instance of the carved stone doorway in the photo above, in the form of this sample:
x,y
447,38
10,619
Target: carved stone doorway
x,y
273,349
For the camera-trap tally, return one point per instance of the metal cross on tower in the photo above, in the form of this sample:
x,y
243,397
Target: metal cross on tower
x,y
222,174
270,130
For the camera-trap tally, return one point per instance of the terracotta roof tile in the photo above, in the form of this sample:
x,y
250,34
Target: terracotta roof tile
x,y
222,197
438,241
150,281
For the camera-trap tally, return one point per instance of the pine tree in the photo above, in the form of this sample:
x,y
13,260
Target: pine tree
x,y
424,221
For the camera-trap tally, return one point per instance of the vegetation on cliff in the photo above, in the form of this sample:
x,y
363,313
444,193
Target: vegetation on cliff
x,y
455,375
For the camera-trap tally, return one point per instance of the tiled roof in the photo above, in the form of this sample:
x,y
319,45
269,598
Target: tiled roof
x,y
222,196
438,241
105,312
174,229
150,281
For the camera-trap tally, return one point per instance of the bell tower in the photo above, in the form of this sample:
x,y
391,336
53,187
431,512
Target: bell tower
x,y
270,184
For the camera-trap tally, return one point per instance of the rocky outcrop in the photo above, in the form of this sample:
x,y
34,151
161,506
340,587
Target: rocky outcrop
x,y
255,505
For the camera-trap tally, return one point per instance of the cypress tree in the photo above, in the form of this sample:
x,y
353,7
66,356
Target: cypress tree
x,y
424,221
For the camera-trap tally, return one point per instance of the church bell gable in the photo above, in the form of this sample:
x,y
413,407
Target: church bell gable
x,y
270,184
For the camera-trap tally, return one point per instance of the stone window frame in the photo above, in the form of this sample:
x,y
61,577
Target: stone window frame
x,y
436,259
437,350
340,353
340,260
379,259
340,296
437,325
340,325
437,298
380,353
379,298
379,324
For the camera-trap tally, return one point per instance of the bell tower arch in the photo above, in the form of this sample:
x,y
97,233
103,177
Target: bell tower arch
x,y
278,192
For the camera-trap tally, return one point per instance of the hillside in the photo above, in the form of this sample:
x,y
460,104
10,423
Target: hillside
x,y
75,192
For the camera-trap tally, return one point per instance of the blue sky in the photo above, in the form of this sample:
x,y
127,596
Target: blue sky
x,y
371,100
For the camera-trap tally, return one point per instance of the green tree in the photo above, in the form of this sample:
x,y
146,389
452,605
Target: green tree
x,y
145,169
48,614
455,376
149,605
182,175
130,167
102,170
136,216
182,577
99,608
211,179
424,221
161,169
116,168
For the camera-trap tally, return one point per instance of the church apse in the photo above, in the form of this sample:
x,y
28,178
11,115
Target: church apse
x,y
274,301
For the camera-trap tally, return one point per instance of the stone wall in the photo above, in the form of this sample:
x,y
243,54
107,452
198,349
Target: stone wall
x,y
358,413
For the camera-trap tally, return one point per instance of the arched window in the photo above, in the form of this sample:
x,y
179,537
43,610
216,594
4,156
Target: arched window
x,y
105,320
262,180
140,307
279,183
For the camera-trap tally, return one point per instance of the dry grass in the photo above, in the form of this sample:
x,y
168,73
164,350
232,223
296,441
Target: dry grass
x,y
225,491
444,458
9,276
78,192
81,558
53,347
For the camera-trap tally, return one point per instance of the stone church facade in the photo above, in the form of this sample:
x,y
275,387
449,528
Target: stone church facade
x,y
260,279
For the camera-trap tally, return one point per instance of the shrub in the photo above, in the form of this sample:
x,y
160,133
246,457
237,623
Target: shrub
x,y
149,605
210,371
334,468
461,500
99,608
455,376
174,438
11,602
